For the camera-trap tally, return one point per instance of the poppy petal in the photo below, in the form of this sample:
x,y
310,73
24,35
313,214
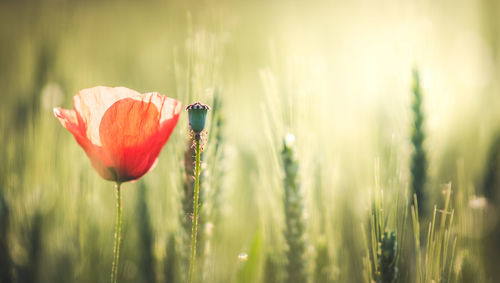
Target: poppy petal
x,y
131,132
91,103
73,123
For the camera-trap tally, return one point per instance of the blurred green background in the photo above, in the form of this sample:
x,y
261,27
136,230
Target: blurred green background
x,y
336,74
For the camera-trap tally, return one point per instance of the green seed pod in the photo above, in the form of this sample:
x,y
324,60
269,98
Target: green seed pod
x,y
197,116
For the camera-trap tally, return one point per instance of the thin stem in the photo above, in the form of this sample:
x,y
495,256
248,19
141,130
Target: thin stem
x,y
194,231
116,248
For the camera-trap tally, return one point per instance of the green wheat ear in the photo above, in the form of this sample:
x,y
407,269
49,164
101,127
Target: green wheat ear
x,y
295,226
419,157
215,160
386,257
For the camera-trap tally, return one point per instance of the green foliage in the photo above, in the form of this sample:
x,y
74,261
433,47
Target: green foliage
x,y
171,264
146,262
469,271
491,178
271,270
31,271
435,253
491,190
295,227
250,263
419,157
322,264
5,260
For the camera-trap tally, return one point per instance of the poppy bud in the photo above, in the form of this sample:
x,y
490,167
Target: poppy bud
x,y
197,116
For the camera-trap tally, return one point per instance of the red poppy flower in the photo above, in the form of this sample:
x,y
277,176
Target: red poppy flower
x,y
121,130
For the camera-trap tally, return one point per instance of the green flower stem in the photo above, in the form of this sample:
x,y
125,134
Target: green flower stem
x,y
116,248
194,231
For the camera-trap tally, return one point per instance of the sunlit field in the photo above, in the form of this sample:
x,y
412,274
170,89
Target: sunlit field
x,y
346,141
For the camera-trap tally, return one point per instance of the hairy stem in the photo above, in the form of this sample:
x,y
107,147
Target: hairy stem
x,y
194,231
116,248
